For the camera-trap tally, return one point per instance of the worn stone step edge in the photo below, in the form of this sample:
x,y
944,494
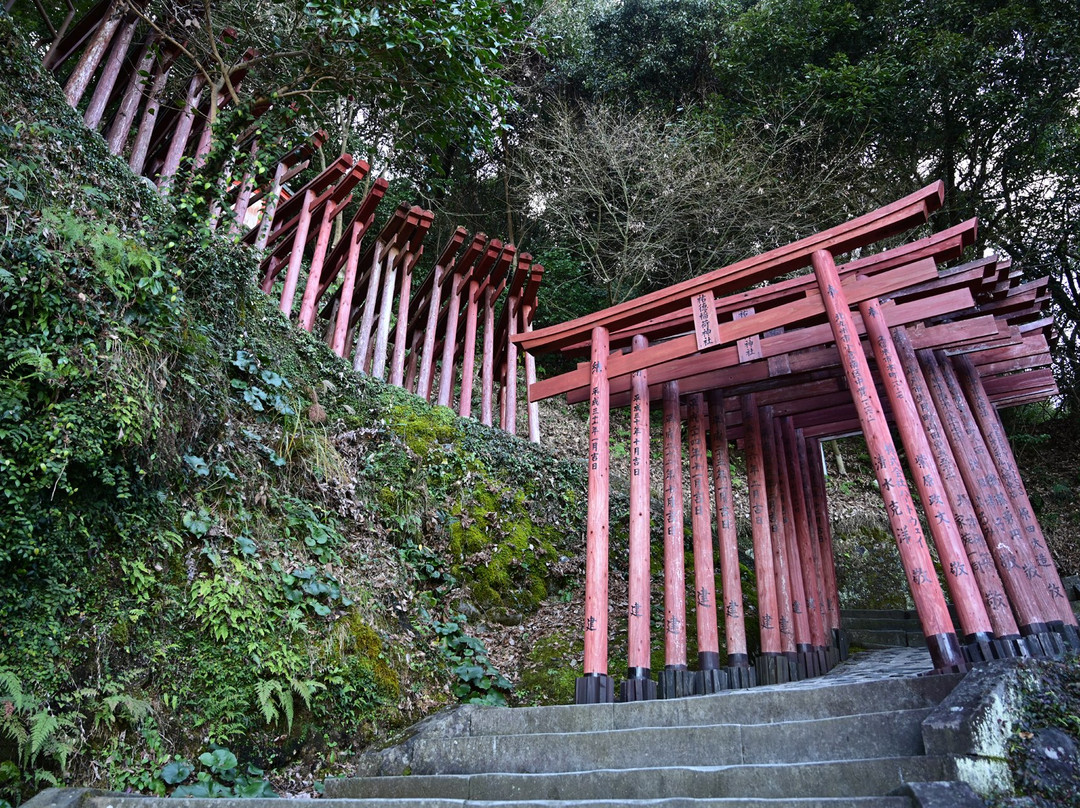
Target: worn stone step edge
x,y
891,734
849,778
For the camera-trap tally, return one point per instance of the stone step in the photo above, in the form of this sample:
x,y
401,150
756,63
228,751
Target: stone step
x,y
435,802
862,623
783,781
895,733
807,700
886,638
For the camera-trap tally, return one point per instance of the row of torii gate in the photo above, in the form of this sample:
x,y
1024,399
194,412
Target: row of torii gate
x,y
428,338
883,339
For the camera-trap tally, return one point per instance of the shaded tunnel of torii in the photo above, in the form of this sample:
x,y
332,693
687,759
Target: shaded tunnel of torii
x,y
884,344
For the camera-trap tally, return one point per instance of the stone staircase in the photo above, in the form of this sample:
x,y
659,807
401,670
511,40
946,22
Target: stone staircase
x,y
883,628
876,737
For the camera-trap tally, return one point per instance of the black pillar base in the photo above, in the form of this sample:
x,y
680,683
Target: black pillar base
x,y
946,654
637,688
676,682
741,677
711,680
842,642
594,688
1070,634
772,669
1045,644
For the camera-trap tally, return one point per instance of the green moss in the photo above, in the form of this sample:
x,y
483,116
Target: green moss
x,y
549,675
368,646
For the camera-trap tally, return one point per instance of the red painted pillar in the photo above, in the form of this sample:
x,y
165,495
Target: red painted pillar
x,y
109,73
371,303
530,377
967,524
468,355
710,678
820,498
510,391
809,645
954,562
675,680
596,686
914,554
314,278
348,287
770,667
781,561
639,685
292,271
487,361
446,378
738,661
806,533
997,443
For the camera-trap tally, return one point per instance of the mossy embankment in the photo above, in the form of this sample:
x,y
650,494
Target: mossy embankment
x,y
215,533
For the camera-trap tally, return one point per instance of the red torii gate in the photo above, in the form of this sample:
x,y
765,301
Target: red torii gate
x,y
781,367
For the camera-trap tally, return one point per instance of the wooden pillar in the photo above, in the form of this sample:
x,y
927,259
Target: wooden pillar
x,y
781,562
243,196
639,685
180,136
962,585
348,287
1003,537
596,686
1005,462
151,110
509,389
314,279
397,359
109,73
141,78
446,378
738,660
806,532
272,198
675,680
468,351
820,499
296,257
487,361
91,57
771,668
530,377
427,351
386,309
710,678
809,638
914,554
371,302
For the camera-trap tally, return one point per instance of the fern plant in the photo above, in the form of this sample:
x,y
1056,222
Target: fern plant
x,y
275,697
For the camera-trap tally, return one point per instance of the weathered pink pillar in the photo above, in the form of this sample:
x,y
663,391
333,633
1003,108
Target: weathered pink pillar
x,y
1003,537
596,686
487,360
397,359
109,73
509,421
386,309
967,524
1001,452
314,279
243,196
710,678
772,667
468,352
371,302
348,287
530,377
446,377
914,555
180,136
91,57
120,129
151,110
778,523
738,661
639,685
292,272
962,585
273,197
675,680
427,352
